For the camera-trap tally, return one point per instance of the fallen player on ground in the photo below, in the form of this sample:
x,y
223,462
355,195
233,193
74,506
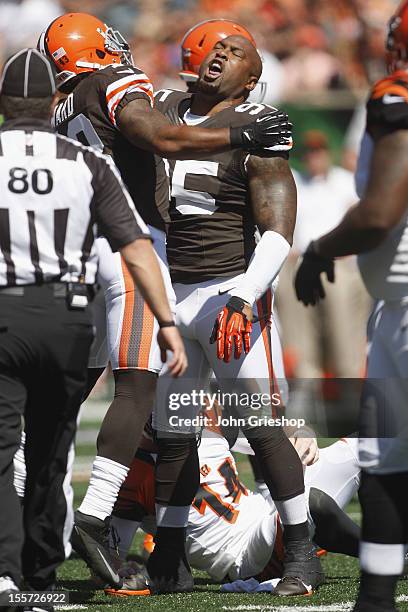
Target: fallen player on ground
x,y
233,533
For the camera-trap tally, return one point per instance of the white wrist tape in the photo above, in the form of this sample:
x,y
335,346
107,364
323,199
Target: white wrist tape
x,y
266,262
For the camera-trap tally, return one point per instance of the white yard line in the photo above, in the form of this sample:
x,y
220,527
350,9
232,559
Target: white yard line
x,y
323,608
71,607
341,607
401,598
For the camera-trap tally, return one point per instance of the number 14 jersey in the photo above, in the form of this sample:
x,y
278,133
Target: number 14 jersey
x,y
224,513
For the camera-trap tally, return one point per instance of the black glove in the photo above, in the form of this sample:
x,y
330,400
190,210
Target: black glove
x,y
269,131
308,284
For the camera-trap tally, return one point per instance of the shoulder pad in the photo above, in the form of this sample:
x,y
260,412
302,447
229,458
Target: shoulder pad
x,y
119,71
251,111
387,107
166,99
120,82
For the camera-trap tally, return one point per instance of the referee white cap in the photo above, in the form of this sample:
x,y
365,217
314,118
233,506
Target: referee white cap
x,y
28,74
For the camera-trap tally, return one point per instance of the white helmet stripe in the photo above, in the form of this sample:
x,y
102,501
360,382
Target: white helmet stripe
x,y
41,43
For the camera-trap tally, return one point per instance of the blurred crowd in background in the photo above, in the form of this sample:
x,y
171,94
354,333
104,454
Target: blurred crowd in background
x,y
315,45
320,54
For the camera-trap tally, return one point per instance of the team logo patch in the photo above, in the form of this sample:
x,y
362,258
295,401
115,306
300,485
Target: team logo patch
x,y
205,470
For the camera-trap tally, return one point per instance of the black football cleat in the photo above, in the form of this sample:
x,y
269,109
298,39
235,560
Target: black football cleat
x,y
90,539
302,570
169,572
135,581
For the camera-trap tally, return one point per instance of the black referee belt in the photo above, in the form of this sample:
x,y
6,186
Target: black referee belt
x,y
59,290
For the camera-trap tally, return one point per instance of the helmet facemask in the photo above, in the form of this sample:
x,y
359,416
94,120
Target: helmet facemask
x,y
397,52
116,44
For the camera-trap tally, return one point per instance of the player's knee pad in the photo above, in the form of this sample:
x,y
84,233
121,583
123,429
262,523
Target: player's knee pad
x,y
177,470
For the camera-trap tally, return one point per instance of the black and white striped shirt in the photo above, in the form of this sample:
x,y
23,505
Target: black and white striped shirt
x,y
56,195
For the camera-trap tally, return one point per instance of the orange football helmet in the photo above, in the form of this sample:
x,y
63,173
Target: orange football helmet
x,y
200,40
78,42
397,38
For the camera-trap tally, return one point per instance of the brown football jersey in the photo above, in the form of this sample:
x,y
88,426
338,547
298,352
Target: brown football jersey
x,y
89,115
212,230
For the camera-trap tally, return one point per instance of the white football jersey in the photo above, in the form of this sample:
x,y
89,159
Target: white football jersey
x,y
384,270
233,531
224,512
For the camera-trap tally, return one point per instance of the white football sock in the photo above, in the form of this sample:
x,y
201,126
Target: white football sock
x,y
125,530
106,479
172,516
382,559
20,472
292,511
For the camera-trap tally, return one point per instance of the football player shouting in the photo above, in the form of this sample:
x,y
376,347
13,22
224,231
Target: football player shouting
x,y
199,40
216,204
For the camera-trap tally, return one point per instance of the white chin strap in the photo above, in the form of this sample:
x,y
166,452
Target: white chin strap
x,y
63,77
88,65
188,77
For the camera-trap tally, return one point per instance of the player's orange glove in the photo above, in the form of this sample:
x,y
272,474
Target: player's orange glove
x,y
232,328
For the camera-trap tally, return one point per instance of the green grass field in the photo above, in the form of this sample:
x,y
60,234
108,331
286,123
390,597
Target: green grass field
x,y
336,595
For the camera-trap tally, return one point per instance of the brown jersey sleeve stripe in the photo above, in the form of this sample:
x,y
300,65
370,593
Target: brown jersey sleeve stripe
x,y
122,89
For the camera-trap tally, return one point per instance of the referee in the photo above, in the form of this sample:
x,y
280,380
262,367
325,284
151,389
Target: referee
x,y
54,193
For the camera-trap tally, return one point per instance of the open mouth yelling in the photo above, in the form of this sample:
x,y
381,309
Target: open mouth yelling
x,y
214,70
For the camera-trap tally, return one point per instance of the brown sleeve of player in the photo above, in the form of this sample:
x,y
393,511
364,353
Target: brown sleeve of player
x,y
112,208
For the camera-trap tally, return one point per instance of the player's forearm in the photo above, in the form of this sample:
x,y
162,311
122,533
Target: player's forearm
x,y
357,233
150,130
184,142
147,128
268,258
142,264
366,225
